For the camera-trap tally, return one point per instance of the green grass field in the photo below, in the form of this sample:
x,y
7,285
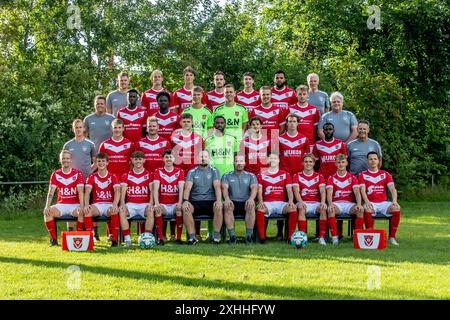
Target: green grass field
x,y
417,269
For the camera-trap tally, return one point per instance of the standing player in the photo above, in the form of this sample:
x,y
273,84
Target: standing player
x,y
216,97
256,147
168,187
168,121
342,190
201,116
118,98
282,95
235,115
308,114
249,97
309,192
105,189
182,98
69,183
374,184
239,189
136,197
148,98
326,150
134,118
275,197
316,97
202,195
98,124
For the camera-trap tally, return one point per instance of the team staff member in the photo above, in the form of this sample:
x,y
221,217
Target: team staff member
x,y
118,98
98,124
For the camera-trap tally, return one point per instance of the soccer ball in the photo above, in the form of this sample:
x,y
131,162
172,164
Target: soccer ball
x,y
146,240
299,239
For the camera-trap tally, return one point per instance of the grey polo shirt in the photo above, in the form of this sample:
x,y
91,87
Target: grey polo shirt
x,y
239,185
116,100
82,153
357,154
202,183
342,121
98,128
320,100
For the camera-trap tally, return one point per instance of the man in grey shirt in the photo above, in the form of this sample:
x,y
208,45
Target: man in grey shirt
x,y
359,148
239,189
317,98
202,196
118,98
344,121
98,124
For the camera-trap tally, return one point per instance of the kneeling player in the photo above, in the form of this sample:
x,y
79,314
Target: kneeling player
x,y
239,190
135,196
374,184
342,190
168,187
274,188
309,192
105,188
69,183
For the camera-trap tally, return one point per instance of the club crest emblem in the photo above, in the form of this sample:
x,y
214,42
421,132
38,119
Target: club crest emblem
x,y
77,242
368,240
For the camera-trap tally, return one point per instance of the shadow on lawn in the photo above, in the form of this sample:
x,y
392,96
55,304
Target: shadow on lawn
x,y
278,292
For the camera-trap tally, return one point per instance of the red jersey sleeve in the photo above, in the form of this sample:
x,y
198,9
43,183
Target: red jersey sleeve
x,y
115,181
204,97
288,180
80,179
181,178
124,179
361,180
344,148
321,179
178,125
259,178
90,180
355,182
174,102
330,182
294,99
389,178
53,179
282,116
102,147
144,102
316,117
157,176
296,180
315,152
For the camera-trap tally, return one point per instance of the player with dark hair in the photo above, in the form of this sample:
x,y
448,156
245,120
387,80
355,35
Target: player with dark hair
x,y
216,97
98,124
168,121
249,97
201,115
182,97
282,95
133,117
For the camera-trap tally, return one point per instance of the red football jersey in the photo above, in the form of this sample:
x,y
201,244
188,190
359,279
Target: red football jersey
x,y
283,98
119,153
133,120
214,99
153,150
292,150
138,186
255,153
148,100
167,123
309,185
182,98
272,117
376,184
67,185
102,188
248,100
168,188
186,149
309,118
343,187
274,185
326,153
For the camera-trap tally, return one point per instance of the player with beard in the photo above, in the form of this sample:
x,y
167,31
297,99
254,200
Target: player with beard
x,y
168,121
133,117
216,97
282,95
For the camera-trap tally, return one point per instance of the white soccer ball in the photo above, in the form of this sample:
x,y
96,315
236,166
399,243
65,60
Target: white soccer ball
x,y
146,240
299,239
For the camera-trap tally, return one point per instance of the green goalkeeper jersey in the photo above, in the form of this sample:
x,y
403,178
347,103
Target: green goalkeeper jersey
x,y
202,120
222,150
235,117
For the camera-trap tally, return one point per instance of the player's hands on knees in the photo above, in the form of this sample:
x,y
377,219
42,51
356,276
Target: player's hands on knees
x,y
187,205
301,205
250,205
228,204
87,209
158,210
291,206
178,206
395,206
323,206
47,212
368,207
262,207
331,208
218,205
114,208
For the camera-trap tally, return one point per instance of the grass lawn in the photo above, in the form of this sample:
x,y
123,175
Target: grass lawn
x,y
417,269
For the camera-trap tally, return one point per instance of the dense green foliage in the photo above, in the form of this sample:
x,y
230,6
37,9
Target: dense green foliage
x,y
398,77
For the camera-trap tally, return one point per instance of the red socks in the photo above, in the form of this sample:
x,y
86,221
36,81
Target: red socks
x,y
261,225
332,224
80,226
359,223
302,226
395,221
51,229
88,223
114,227
292,222
322,227
179,223
159,227
368,220
126,232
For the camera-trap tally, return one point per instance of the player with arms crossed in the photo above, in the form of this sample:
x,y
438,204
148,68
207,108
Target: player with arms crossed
x,y
374,184
342,190
309,192
69,183
136,196
105,189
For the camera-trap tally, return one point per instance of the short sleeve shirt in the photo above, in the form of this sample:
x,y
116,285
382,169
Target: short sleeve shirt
x,y
342,121
239,185
202,183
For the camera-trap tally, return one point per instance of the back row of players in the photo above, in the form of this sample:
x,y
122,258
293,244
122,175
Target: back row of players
x,y
223,133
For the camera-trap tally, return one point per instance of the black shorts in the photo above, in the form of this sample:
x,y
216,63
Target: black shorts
x,y
203,208
239,208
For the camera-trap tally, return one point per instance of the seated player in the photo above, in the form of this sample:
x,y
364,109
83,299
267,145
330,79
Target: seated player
x,y
202,196
342,190
239,189
168,187
275,197
69,183
136,197
105,188
309,192
374,184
